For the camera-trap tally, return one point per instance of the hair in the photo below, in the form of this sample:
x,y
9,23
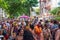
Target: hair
x,y
7,22
59,26
19,31
40,20
32,27
46,21
45,25
26,23
55,22
51,21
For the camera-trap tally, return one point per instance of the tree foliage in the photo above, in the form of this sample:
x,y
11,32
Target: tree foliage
x,y
17,7
37,10
55,11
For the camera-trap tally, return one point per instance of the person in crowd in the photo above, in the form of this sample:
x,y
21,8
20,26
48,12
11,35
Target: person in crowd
x,y
54,28
57,35
13,36
51,24
20,35
1,34
0,25
8,24
27,35
38,32
46,33
33,29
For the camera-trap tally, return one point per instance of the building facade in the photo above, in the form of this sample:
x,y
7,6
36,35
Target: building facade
x,y
45,6
2,14
55,3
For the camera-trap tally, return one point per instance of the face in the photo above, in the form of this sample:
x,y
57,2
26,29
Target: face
x,y
21,32
14,35
4,26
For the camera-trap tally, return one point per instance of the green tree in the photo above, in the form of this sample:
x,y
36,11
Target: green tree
x,y
37,10
15,8
55,11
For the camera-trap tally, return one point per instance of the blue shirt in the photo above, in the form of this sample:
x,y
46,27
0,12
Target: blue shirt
x,y
54,26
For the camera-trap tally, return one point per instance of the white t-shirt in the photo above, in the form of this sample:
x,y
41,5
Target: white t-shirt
x,y
1,36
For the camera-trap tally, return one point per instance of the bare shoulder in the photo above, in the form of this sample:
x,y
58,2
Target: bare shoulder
x,y
58,31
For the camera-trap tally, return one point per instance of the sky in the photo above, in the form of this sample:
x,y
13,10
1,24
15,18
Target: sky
x,y
55,3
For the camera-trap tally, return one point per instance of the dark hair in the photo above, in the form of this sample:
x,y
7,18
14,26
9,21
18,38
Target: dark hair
x,y
55,22
31,26
59,26
51,21
7,22
45,25
26,23
40,20
46,21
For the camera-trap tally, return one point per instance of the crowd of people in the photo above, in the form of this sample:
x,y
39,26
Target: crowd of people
x,y
12,29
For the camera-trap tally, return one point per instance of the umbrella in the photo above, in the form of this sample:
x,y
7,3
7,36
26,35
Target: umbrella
x,y
24,17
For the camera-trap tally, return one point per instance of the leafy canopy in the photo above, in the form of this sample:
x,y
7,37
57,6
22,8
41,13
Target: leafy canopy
x,y
55,11
15,8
